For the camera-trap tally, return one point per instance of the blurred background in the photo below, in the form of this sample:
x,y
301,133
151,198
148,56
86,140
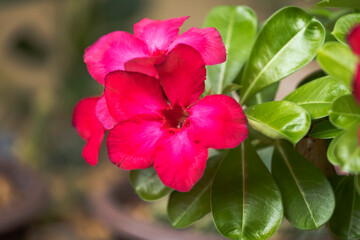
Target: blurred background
x,y
47,191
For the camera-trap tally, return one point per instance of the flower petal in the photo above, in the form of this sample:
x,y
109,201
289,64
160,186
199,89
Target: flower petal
x,y
103,114
354,39
145,65
131,144
356,85
92,147
131,94
207,42
158,34
217,121
182,75
111,52
179,162
89,128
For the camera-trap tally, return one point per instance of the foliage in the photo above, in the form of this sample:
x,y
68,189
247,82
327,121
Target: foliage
x,y
246,200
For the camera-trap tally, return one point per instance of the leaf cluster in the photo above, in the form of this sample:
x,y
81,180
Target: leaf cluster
x,y
312,131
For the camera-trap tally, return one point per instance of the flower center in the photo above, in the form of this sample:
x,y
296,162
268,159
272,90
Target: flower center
x,y
175,117
159,52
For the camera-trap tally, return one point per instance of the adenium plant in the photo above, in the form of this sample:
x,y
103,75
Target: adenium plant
x,y
169,97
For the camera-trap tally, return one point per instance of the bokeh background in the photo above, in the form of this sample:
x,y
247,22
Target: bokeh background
x,y
47,191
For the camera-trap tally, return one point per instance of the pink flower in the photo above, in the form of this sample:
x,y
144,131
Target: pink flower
x,y
151,42
354,42
141,52
162,122
354,39
89,128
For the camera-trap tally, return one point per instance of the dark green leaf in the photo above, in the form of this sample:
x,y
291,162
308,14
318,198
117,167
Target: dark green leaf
x,y
287,41
357,184
325,130
147,184
339,3
245,200
337,60
344,25
344,150
279,120
345,222
184,208
237,26
266,154
344,112
317,96
307,195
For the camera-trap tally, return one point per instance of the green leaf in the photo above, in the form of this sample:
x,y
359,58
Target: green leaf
x,y
147,184
231,87
344,112
325,130
245,201
265,95
317,96
287,41
343,26
279,120
312,76
339,3
237,26
337,60
307,195
345,222
344,150
184,208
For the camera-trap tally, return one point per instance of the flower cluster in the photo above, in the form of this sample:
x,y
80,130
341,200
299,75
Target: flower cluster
x,y
151,103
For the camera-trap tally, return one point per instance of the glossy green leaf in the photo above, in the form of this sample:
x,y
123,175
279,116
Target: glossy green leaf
x,y
265,155
337,60
345,222
230,88
344,112
307,195
148,185
279,120
339,3
344,150
317,96
237,26
325,130
265,95
344,25
245,201
184,208
312,76
286,42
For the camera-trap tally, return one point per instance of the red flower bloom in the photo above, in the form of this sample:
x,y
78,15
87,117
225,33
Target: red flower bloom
x,y
162,122
354,39
354,42
152,40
